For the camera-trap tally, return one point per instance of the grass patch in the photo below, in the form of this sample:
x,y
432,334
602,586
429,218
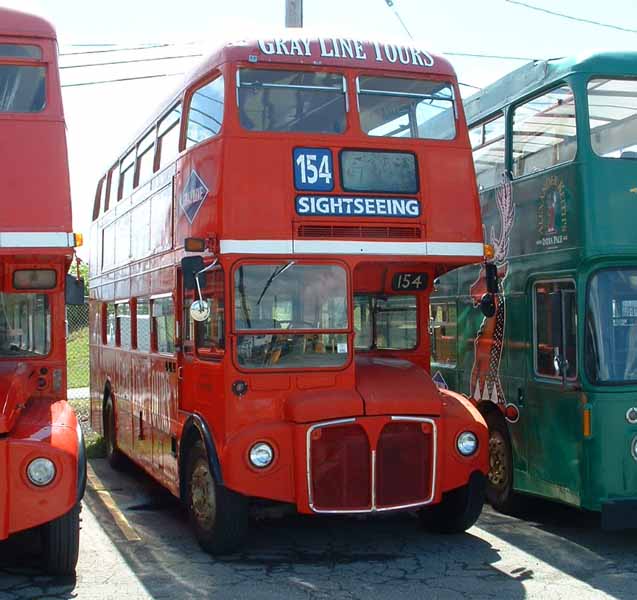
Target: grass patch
x,y
77,359
94,442
95,446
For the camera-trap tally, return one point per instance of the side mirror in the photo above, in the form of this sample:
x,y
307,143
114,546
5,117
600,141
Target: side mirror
x,y
487,305
491,276
200,310
190,266
73,290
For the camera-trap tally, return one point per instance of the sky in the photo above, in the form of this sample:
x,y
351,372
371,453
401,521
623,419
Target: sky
x,y
102,119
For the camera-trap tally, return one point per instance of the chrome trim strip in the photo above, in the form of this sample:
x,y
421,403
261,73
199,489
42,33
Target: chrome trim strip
x,y
36,239
373,507
473,249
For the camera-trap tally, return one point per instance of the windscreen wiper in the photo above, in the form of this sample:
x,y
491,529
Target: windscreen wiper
x,y
274,275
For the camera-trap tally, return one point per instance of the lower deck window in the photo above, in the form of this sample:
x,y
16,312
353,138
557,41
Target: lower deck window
x,y
25,325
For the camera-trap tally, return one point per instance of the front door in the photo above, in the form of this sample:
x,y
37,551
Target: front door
x,y
553,405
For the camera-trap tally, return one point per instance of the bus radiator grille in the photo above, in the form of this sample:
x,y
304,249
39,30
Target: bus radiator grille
x,y
340,468
403,464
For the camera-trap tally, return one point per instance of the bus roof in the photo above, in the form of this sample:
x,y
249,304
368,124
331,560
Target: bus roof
x,y
540,73
20,24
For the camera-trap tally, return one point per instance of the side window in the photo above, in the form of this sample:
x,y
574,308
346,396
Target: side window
x,y
206,112
122,312
487,143
110,325
168,136
544,132
209,334
113,187
444,329
163,312
100,197
143,325
127,174
555,332
146,158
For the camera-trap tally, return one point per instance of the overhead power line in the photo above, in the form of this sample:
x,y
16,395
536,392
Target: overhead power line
x,y
571,17
149,46
390,3
122,79
492,56
125,62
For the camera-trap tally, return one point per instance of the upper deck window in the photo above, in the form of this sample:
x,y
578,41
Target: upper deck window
x,y
408,108
612,107
544,132
20,51
206,112
168,136
487,143
297,101
22,89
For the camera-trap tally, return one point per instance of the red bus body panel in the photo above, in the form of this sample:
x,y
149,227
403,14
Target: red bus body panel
x,y
379,401
35,233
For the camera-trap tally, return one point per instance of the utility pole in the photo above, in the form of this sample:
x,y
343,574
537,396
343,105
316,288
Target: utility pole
x,y
294,13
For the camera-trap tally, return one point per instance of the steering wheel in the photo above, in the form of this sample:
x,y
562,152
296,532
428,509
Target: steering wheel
x,y
292,324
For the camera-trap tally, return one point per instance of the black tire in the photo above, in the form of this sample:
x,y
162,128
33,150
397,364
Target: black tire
x,y
61,543
499,490
114,456
458,510
218,515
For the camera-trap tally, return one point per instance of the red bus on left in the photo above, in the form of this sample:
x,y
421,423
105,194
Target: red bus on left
x,y
42,458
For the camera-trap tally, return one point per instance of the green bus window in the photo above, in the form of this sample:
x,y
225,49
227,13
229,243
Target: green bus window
x,y
544,132
487,143
555,335
164,324
611,327
206,112
612,107
444,328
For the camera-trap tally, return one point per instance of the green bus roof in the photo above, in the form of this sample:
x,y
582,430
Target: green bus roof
x,y
540,73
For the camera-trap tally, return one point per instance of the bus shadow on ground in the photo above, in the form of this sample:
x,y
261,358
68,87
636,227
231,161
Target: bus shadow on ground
x,y
572,541
296,556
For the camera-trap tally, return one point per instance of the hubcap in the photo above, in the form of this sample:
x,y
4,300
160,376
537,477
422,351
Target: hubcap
x,y
202,494
498,461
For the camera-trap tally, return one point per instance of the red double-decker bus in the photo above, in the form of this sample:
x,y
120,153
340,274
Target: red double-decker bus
x,y
262,256
42,461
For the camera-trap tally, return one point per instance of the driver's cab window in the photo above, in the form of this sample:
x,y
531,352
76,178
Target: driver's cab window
x,y
208,336
385,322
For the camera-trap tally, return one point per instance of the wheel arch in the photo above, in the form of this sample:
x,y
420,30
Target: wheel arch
x,y
196,428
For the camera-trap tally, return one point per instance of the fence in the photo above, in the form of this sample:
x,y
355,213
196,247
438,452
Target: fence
x,y
77,350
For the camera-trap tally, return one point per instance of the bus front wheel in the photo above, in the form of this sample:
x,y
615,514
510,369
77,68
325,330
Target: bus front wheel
x,y
61,543
500,492
458,510
218,515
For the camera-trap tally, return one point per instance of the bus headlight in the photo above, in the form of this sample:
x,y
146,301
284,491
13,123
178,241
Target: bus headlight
x,y
633,447
261,455
41,471
467,443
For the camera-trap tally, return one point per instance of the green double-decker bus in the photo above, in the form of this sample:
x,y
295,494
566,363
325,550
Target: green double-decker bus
x,y
554,370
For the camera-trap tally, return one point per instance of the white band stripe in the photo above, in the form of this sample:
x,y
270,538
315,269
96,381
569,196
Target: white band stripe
x,y
36,239
348,247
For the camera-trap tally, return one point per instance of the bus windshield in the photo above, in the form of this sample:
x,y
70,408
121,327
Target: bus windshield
x,y
612,105
408,108
385,322
25,325
298,101
291,297
611,327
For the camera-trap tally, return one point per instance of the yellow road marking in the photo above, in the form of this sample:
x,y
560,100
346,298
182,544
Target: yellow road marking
x,y
121,521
